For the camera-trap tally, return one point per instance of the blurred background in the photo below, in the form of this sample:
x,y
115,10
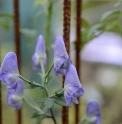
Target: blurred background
x,y
101,52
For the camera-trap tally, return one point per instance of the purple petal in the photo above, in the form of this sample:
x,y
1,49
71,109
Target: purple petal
x,y
93,110
71,77
59,48
61,64
72,93
14,96
40,47
72,85
36,62
61,58
40,53
9,69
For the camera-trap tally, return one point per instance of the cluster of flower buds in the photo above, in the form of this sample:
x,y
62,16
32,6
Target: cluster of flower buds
x,y
9,73
64,66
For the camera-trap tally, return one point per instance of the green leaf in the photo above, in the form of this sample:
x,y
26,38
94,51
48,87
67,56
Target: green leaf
x,y
92,29
40,3
5,24
84,23
118,3
91,4
45,109
49,103
108,14
59,92
60,101
40,119
38,14
42,100
35,115
4,14
29,34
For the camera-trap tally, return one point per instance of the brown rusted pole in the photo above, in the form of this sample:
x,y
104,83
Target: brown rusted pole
x,y
66,36
17,46
0,90
78,45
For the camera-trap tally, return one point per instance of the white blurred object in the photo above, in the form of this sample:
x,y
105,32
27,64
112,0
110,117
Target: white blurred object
x,y
92,93
106,48
107,76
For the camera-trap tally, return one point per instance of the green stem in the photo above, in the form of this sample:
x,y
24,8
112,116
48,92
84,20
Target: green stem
x,y
53,117
31,82
42,66
48,26
48,72
45,86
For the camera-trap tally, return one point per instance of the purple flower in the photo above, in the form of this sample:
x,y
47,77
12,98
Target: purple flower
x,y
61,58
40,53
72,85
15,96
93,112
9,70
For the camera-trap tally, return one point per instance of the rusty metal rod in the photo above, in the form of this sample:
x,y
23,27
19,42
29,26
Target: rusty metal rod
x,y
78,45
66,37
17,46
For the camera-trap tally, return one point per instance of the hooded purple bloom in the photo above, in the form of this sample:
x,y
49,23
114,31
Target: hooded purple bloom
x,y
72,85
61,58
93,112
15,96
40,53
9,70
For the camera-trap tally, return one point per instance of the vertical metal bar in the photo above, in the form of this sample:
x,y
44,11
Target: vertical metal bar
x,y
78,45
66,36
0,90
17,46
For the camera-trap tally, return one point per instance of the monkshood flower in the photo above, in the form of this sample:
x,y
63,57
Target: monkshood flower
x,y
61,58
73,87
9,69
15,96
40,53
93,112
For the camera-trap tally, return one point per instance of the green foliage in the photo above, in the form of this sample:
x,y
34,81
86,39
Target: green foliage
x,y
110,21
110,14
5,20
91,4
39,119
29,34
118,3
36,114
42,100
49,103
59,100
